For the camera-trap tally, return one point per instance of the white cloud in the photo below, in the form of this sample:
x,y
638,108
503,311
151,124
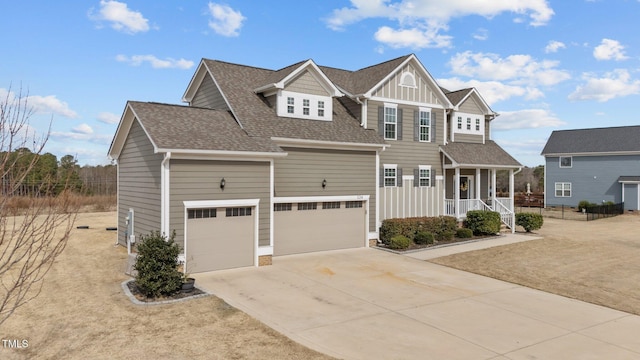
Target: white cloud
x,y
77,135
525,119
225,21
554,46
108,118
168,63
608,50
121,17
518,69
617,83
481,34
492,91
424,20
41,104
83,129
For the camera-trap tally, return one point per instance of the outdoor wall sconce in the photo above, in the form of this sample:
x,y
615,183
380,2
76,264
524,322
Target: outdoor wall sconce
x,y
222,184
324,183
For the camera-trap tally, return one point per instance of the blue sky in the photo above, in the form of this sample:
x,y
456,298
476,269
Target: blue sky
x,y
543,65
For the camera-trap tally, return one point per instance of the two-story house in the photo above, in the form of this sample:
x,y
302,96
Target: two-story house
x,y
597,165
306,158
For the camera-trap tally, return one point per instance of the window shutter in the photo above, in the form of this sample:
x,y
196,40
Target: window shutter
x,y
433,127
416,177
399,177
399,125
416,125
381,177
432,174
381,121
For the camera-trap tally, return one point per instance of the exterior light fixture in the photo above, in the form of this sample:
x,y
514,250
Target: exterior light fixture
x,y
324,183
222,184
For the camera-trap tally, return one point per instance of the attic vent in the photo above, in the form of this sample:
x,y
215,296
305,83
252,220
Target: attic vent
x,y
407,79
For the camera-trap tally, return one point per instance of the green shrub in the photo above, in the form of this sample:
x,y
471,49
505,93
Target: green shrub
x,y
529,221
483,222
464,233
442,227
399,242
423,238
584,204
157,265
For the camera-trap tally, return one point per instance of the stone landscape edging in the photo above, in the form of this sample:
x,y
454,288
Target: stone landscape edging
x,y
133,299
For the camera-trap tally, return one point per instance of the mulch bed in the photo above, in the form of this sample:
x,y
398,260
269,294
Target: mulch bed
x,y
414,246
177,296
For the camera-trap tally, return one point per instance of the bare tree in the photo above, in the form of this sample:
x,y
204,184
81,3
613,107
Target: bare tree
x,y
32,238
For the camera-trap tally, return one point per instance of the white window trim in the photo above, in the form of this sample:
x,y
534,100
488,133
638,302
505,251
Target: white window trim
x,y
384,175
298,108
424,167
465,120
384,121
555,185
420,126
560,162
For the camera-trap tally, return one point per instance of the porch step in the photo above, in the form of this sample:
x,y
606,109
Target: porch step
x,y
504,229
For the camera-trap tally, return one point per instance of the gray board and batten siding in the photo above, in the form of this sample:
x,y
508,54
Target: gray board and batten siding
x,y
592,178
139,186
193,180
346,172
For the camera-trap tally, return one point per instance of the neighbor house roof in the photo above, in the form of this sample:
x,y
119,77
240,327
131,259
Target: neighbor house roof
x,y
488,153
259,118
176,127
629,179
598,140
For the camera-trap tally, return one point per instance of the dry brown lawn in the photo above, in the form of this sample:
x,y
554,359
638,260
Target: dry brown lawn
x,y
594,261
82,313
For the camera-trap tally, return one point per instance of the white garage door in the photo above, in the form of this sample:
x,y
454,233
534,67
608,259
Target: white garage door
x,y
317,226
220,238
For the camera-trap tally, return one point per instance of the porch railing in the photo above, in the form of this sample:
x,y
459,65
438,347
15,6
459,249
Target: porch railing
x,y
506,215
502,206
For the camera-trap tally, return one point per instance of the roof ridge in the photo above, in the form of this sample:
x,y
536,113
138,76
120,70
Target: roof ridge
x,y
600,128
237,64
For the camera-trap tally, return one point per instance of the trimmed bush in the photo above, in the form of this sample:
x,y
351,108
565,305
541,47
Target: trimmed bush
x,y
464,233
483,222
529,221
442,227
584,204
423,238
157,265
399,242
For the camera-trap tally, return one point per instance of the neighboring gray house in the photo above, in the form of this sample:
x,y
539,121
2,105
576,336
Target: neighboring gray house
x,y
306,158
597,165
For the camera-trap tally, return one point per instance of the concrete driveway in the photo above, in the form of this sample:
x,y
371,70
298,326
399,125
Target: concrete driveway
x,y
371,304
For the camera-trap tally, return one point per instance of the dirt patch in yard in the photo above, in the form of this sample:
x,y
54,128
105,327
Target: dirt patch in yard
x,y
82,313
593,261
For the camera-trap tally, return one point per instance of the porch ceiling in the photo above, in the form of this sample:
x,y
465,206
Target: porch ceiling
x,y
488,154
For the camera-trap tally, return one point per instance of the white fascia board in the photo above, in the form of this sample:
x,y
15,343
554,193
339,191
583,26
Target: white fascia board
x,y
195,82
475,92
328,85
296,199
122,132
222,155
321,144
405,102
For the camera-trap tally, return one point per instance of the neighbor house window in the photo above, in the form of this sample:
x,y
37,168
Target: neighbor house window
x,y
282,207
424,176
305,106
563,189
424,125
239,211
307,206
566,161
331,205
290,103
201,213
320,108
353,204
390,176
390,123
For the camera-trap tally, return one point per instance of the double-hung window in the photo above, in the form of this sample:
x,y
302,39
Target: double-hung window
x,y
477,124
563,189
468,123
424,176
390,175
290,105
424,126
321,108
460,122
305,106
390,123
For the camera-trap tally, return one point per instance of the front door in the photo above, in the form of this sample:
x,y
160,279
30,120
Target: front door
x,y
466,187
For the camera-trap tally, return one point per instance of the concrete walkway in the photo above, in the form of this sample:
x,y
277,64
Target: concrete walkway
x,y
372,304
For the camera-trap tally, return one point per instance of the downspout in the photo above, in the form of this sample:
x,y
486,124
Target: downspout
x,y
164,197
363,121
118,198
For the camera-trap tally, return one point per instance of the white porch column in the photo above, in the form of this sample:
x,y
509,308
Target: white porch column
x,y
493,188
478,181
456,192
511,202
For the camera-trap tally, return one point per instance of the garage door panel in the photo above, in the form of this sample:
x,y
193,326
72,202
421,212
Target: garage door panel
x,y
220,243
300,231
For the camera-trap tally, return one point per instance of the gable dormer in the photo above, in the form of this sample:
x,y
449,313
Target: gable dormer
x,y
470,119
302,91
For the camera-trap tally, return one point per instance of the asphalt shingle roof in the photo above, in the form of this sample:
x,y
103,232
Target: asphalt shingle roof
x,y
488,153
598,140
179,127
